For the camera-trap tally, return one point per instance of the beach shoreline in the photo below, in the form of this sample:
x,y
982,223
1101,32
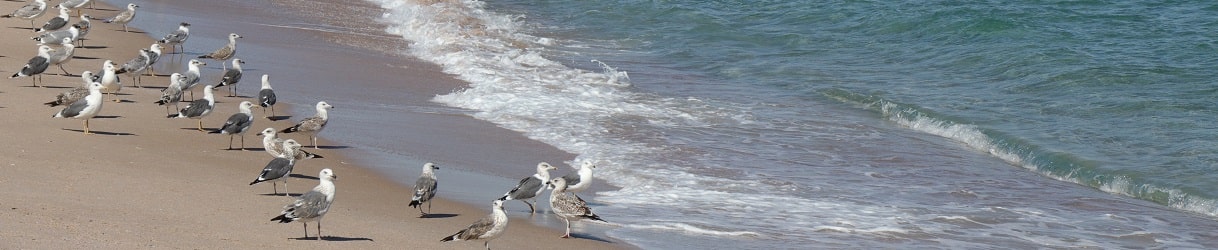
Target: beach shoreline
x,y
145,181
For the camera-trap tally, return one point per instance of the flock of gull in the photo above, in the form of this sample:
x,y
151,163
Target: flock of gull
x,y
58,38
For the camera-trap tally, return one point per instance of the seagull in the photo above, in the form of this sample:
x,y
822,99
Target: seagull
x,y
197,109
136,66
581,179
75,5
275,146
177,38
312,205
266,96
124,17
232,77
70,96
63,54
191,77
425,188
56,23
279,168
36,65
58,35
312,125
83,26
226,52
86,108
487,228
530,187
109,79
30,11
237,124
154,54
173,93
568,206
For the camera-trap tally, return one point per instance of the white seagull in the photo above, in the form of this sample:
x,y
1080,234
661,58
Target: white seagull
x,y
197,109
425,188
86,108
58,22
30,11
63,54
581,179
488,228
530,187
36,65
279,168
313,125
311,206
192,76
177,38
232,77
266,97
109,79
237,124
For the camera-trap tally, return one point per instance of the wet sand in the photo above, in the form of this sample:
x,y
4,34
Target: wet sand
x,y
145,181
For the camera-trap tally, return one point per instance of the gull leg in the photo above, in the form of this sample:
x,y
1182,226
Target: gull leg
x,y
306,228
243,142
315,142
531,210
230,142
568,234
200,124
318,230
87,127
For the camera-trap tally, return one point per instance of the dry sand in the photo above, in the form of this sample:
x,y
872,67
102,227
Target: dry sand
x,y
145,181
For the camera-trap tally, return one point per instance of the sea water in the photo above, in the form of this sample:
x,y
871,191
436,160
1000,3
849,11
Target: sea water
x,y
855,124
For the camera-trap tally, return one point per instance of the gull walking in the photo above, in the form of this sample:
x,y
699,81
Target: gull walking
x,y
200,108
529,187
237,124
56,23
568,206
224,53
36,65
173,93
177,38
232,77
124,17
488,228
425,188
581,179
86,108
63,54
279,168
266,97
311,206
272,144
70,96
30,11
312,125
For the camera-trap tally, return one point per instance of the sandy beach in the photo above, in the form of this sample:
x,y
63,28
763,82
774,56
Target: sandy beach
x,y
145,181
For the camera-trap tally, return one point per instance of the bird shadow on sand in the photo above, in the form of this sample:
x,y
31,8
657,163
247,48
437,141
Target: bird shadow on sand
x,y
94,47
335,238
85,57
304,176
132,31
589,237
437,216
326,147
205,130
98,132
283,194
48,87
277,118
24,28
106,117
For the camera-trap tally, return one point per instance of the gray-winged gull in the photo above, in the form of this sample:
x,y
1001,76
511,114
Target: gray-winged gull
x,y
192,76
57,36
124,17
581,179
56,23
568,206
231,77
200,108
425,188
75,5
531,186
30,11
83,26
136,66
109,79
238,123
177,38
266,97
311,206
312,125
70,96
173,93
224,53
85,108
154,54
488,228
36,65
272,144
63,54
279,168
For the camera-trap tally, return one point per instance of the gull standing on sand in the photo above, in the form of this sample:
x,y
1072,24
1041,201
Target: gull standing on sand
x,y
86,108
124,17
280,167
488,228
237,124
266,96
530,187
276,147
36,65
136,66
58,35
312,125
56,23
200,108
232,77
224,53
110,80
75,5
425,188
581,179
70,96
83,28
154,54
63,54
177,38
568,206
30,11
173,93
312,205
192,76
